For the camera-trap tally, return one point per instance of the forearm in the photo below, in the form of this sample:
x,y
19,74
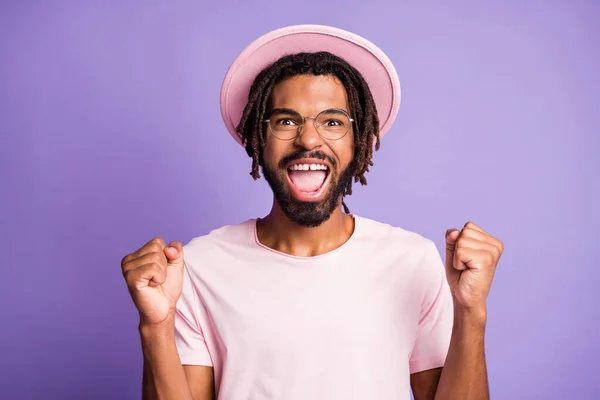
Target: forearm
x,y
148,389
464,375
164,376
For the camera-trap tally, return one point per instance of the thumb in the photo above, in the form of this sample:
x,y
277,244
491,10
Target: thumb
x,y
452,235
174,253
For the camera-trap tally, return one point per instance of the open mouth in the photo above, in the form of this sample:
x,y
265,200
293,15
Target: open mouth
x,y
308,178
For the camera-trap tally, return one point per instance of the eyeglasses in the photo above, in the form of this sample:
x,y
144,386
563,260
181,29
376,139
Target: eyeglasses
x,y
330,124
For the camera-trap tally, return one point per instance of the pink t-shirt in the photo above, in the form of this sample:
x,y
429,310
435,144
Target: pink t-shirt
x,y
353,323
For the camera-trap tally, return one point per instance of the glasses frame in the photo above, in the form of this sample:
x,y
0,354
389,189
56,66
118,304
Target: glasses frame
x,y
301,126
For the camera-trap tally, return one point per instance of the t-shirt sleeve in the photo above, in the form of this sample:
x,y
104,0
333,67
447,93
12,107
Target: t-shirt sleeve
x,y
189,337
434,328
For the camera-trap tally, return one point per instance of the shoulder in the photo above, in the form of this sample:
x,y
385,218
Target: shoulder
x,y
414,255
395,236
240,234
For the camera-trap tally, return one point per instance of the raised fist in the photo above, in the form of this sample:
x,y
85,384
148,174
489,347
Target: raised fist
x,y
154,276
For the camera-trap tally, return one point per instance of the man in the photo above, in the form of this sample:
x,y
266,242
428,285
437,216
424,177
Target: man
x,y
312,302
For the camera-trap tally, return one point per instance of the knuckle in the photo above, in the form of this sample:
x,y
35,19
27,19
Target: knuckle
x,y
469,233
500,246
125,260
157,247
128,277
157,241
159,271
497,252
152,247
156,257
156,268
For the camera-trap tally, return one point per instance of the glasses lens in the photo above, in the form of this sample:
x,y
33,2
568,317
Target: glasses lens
x,y
285,125
333,124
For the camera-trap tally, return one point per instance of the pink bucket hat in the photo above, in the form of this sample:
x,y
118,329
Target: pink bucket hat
x,y
367,58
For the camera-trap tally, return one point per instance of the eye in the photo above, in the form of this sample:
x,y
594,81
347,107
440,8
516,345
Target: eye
x,y
333,122
285,121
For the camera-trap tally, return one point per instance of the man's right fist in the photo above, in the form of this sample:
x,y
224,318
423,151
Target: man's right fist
x,y
154,276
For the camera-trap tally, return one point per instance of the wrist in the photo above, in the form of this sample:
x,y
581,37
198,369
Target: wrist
x,y
471,316
164,328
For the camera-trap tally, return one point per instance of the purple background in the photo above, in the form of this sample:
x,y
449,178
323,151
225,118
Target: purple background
x,y
111,134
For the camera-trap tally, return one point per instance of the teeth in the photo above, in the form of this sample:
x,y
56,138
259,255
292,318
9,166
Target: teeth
x,y
306,167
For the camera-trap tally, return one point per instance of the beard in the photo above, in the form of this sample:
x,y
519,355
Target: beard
x,y
308,213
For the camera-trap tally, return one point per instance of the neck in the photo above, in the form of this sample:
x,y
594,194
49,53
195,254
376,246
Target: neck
x,y
280,233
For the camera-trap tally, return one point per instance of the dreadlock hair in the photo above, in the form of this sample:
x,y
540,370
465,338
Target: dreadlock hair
x,y
362,107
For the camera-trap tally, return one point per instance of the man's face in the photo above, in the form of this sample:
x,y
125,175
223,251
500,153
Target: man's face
x,y
309,194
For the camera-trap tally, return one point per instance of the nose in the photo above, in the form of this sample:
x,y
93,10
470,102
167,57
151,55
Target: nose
x,y
308,137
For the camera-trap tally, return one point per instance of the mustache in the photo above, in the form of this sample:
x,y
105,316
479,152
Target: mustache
x,y
300,154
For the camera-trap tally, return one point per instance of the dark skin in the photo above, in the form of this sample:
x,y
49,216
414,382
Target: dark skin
x,y
308,95
424,384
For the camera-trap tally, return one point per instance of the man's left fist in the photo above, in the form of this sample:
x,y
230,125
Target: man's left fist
x,y
471,259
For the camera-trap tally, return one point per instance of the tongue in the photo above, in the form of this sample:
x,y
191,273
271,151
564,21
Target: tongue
x,y
307,181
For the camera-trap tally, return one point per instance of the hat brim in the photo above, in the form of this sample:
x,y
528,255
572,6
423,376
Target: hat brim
x,y
375,67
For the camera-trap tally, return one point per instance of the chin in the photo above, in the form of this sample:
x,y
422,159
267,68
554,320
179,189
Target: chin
x,y
308,208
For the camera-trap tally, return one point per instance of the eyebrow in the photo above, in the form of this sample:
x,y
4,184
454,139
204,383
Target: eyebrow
x,y
283,111
277,111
